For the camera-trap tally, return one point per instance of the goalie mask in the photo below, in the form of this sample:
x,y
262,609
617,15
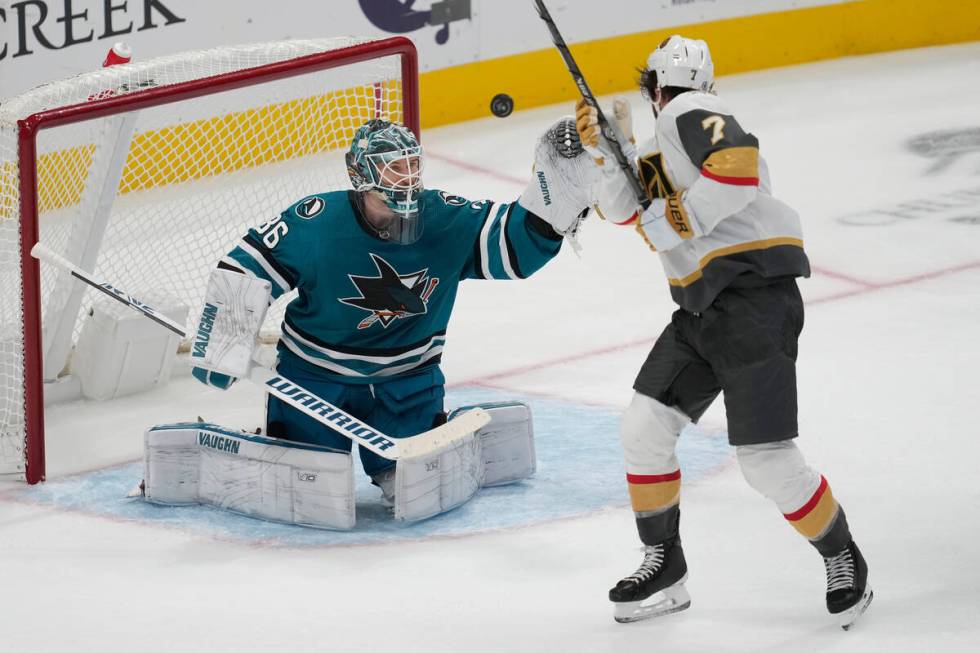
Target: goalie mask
x,y
678,63
385,158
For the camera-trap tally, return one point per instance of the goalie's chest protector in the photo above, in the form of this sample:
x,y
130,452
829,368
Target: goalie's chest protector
x,y
370,308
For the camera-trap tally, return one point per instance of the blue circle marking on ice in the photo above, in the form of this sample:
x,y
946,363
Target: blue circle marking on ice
x,y
580,470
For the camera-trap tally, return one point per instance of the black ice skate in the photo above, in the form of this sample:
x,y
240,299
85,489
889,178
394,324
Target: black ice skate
x,y
656,588
848,592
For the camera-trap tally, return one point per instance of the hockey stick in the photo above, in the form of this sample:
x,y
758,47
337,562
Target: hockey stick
x,y
610,132
293,394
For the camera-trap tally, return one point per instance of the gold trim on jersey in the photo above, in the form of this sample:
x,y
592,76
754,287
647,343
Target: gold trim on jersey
x,y
734,249
734,163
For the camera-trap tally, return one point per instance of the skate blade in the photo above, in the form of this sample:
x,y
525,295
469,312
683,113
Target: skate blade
x,y
848,617
672,599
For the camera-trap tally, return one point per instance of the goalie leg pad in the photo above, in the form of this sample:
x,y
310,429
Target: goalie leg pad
x,y
253,475
430,485
507,442
499,453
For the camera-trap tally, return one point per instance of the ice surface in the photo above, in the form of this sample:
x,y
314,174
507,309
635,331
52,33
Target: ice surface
x,y
878,154
580,470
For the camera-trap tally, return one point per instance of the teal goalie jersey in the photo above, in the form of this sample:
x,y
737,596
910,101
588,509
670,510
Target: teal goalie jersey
x,y
367,309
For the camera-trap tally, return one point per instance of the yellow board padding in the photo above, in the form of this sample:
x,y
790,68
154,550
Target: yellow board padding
x,y
8,190
61,176
280,132
737,45
214,146
533,79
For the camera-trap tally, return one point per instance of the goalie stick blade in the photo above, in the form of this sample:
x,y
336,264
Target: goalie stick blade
x,y
430,441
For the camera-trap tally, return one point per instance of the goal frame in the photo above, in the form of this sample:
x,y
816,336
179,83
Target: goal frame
x,y
30,127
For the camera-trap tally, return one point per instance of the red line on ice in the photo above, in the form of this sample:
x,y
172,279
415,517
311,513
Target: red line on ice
x,y
647,342
843,277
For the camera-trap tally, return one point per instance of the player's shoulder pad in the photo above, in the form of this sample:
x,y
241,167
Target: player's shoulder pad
x,y
703,124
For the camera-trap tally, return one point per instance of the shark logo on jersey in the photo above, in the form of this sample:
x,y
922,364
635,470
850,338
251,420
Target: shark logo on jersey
x,y
390,295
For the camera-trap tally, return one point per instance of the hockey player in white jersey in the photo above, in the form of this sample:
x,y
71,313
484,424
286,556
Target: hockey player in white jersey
x,y
731,252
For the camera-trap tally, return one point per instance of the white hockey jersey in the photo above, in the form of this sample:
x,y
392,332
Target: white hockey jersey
x,y
725,227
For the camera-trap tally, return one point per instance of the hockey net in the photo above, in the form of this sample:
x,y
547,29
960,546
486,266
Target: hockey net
x,y
146,173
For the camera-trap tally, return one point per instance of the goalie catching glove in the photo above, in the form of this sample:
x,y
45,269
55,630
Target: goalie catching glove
x,y
234,309
560,190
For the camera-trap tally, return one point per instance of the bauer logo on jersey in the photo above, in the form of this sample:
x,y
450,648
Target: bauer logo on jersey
x,y
390,295
310,208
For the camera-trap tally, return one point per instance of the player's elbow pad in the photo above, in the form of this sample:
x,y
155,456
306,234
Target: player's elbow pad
x,y
213,379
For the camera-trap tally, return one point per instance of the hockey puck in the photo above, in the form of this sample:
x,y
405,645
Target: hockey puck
x,y
502,105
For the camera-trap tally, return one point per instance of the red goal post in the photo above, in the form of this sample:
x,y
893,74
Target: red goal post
x,y
114,168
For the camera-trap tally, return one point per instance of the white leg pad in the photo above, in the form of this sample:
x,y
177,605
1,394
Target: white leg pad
x,y
648,431
507,442
429,485
778,471
499,453
253,475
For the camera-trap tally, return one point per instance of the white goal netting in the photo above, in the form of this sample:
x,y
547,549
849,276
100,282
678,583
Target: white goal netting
x,y
151,198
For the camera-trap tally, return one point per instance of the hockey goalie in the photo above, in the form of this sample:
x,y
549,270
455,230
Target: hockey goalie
x,y
377,270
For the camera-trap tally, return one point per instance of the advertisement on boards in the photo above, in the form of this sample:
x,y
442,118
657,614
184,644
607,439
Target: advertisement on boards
x,y
45,40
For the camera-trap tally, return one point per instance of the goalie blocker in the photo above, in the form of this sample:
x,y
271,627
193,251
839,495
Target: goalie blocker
x,y
308,485
234,309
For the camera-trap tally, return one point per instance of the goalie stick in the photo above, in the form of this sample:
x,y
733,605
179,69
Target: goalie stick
x,y
610,132
293,394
